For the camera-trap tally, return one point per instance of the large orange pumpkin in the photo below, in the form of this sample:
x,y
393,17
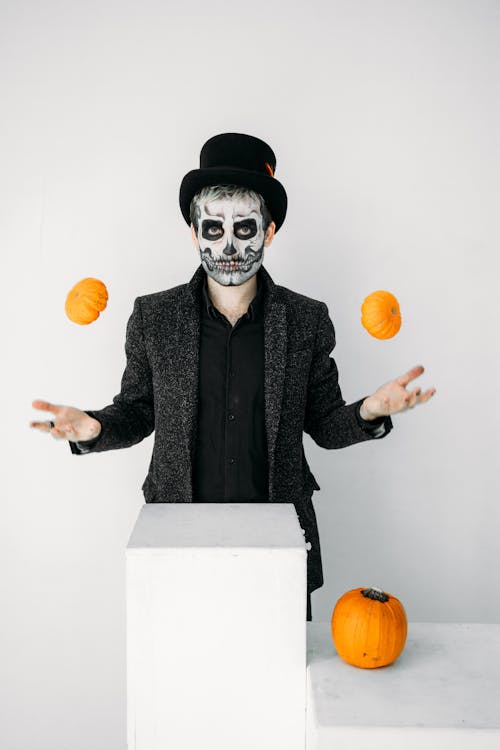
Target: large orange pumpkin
x,y
380,314
86,300
369,627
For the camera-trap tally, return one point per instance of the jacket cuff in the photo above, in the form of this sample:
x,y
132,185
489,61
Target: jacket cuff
x,y
376,427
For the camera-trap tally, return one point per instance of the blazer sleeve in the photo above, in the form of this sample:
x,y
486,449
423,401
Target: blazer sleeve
x,y
130,418
329,421
379,427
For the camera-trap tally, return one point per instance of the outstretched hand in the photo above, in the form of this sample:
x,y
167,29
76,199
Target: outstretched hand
x,y
68,423
392,397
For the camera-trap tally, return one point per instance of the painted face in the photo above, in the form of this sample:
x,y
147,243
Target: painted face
x,y
231,239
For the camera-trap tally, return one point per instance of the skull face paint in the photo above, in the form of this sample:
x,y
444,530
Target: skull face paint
x,y
230,238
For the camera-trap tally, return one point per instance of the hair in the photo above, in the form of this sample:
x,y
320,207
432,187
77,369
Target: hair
x,y
214,192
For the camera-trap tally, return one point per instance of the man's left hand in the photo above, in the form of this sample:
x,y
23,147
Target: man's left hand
x,y
393,397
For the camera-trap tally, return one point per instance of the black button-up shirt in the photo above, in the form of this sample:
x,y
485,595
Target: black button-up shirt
x,y
231,461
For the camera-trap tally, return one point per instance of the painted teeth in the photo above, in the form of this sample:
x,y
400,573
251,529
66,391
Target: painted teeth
x,y
230,266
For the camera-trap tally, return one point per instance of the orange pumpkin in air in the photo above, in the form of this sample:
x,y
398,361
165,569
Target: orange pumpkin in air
x,y
380,314
369,627
86,300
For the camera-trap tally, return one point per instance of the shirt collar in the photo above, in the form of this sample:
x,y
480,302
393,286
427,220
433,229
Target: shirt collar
x,y
253,308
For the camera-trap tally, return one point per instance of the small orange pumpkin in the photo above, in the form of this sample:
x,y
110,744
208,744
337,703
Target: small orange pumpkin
x,y
86,300
369,627
380,314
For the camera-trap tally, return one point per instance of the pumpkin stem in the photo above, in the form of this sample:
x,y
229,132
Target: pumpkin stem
x,y
375,593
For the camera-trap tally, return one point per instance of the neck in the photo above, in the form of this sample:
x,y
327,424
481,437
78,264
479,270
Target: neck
x,y
232,298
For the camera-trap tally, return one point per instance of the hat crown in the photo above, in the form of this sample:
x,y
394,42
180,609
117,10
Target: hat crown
x,y
240,151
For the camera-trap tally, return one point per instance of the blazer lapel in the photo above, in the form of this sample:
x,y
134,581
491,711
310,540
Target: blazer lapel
x,y
187,364
187,359
275,346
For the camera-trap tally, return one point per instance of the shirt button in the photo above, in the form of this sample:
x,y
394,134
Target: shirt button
x,y
231,416
231,460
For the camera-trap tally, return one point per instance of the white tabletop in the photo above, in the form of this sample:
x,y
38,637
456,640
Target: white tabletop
x,y
241,525
447,677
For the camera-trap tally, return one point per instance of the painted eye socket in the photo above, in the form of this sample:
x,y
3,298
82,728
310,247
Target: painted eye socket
x,y
214,231
246,229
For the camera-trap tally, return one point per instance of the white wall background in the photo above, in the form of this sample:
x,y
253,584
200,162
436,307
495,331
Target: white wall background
x,y
385,118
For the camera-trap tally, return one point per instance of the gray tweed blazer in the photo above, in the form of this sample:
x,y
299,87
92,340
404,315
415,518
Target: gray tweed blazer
x,y
159,391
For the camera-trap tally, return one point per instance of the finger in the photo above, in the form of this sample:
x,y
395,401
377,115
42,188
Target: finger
x,y
416,397
43,426
46,426
46,406
410,375
409,400
427,395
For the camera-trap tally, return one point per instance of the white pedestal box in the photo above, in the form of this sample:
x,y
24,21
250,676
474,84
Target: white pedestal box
x,y
216,627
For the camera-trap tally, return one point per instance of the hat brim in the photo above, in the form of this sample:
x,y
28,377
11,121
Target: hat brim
x,y
269,187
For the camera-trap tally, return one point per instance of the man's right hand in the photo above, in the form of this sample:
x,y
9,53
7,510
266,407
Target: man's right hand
x,y
69,423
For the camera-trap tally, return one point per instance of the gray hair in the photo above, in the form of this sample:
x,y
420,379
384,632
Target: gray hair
x,y
214,192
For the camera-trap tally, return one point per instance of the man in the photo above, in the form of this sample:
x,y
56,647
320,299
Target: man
x,y
230,369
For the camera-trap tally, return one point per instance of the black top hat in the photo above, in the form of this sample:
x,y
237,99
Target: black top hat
x,y
236,159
